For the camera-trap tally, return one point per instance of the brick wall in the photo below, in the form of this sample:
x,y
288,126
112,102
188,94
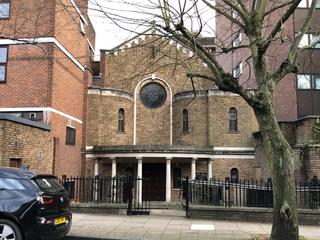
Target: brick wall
x,y
103,121
198,121
28,77
29,18
34,146
285,97
219,134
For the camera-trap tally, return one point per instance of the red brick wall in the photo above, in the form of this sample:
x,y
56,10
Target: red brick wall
x,y
28,77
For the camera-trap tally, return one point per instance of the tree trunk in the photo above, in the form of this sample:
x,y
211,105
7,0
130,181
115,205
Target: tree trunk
x,y
281,166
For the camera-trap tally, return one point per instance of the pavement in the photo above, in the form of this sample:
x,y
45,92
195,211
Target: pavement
x,y
173,227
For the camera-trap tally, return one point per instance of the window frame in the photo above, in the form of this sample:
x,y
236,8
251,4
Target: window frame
x,y
239,65
233,122
82,27
185,121
237,40
312,82
121,122
69,141
307,4
4,64
9,14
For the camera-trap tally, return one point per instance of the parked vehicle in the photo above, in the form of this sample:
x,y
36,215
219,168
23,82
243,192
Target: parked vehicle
x,y
32,206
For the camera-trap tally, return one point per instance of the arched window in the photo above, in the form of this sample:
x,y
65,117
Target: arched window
x,y
185,119
234,175
233,120
176,172
121,120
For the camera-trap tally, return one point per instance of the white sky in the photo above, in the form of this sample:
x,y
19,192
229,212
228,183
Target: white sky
x,y
129,15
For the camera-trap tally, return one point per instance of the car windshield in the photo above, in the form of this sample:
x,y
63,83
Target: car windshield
x,y
48,184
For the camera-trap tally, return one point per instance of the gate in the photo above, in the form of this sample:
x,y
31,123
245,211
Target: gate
x,y
138,204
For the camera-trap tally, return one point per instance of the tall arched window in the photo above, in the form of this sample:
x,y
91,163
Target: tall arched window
x,y
234,175
185,119
121,120
233,120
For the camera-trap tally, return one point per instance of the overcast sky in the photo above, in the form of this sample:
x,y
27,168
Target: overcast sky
x,y
111,17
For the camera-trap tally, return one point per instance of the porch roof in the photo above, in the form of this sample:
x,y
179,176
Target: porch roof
x,y
174,150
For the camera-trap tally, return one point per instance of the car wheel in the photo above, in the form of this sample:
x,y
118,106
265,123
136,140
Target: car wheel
x,y
9,230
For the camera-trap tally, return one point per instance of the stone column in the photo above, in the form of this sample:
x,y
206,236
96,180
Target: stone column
x,y
210,161
113,175
114,167
95,185
96,168
139,181
168,179
193,168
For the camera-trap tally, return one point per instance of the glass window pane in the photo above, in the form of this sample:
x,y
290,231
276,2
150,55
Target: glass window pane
x,y
315,38
2,73
4,10
304,82
304,41
303,4
3,55
317,82
318,4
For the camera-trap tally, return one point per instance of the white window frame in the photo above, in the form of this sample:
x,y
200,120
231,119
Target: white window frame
x,y
237,73
237,41
82,29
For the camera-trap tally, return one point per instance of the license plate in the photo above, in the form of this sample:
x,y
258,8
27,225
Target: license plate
x,y
60,220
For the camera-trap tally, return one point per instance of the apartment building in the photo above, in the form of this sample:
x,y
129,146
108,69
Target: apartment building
x,y
297,99
45,51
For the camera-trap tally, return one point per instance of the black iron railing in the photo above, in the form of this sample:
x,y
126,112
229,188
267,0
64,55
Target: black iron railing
x,y
101,189
246,193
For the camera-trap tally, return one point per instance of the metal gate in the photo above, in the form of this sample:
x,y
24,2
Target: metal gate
x,y
137,204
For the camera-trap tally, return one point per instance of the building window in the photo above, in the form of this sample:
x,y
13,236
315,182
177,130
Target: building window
x,y
233,120
234,175
3,63
237,40
176,172
308,82
185,119
316,82
237,70
311,40
4,9
71,136
15,162
82,29
307,4
121,120
304,82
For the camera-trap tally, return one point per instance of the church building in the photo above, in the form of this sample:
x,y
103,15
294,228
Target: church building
x,y
147,118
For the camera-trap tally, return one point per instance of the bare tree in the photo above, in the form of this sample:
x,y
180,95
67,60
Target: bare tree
x,y
182,21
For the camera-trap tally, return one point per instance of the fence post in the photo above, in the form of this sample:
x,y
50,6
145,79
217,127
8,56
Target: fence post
x,y
187,197
129,194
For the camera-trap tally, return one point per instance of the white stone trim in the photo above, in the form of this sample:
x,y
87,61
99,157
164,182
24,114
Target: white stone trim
x,y
38,109
166,155
233,149
217,92
79,12
110,93
233,157
152,77
91,47
43,40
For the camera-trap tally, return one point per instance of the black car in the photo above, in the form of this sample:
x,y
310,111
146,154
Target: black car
x,y
32,206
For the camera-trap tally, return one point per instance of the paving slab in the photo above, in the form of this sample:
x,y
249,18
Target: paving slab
x,y
101,226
